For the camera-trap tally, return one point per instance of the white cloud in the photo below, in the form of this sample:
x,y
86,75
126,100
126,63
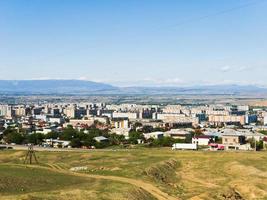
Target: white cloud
x,y
243,68
226,68
82,78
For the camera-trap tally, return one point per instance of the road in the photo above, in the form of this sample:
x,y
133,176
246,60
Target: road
x,y
39,148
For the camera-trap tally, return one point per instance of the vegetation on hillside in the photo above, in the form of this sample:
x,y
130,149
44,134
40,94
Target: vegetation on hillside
x,y
182,174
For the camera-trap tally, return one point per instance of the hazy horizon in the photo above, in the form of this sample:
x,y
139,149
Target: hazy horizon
x,y
140,85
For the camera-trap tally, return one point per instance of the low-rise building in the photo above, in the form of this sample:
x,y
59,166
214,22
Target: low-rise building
x,y
154,135
101,139
79,122
202,140
177,133
121,131
56,143
46,130
235,142
58,120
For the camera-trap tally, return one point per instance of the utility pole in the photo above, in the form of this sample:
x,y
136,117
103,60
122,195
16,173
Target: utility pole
x,y
30,156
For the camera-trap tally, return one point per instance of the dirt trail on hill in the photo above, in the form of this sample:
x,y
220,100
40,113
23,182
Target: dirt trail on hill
x,y
154,191
151,189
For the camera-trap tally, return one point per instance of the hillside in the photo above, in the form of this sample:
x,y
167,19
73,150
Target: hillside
x,y
143,173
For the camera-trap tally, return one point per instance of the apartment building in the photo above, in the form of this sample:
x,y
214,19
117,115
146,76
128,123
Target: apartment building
x,y
172,109
120,123
216,119
129,115
6,111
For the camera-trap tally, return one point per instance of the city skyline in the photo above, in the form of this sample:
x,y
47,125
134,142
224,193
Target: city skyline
x,y
140,43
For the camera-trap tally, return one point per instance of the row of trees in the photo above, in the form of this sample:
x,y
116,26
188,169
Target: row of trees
x,y
134,136
77,138
80,138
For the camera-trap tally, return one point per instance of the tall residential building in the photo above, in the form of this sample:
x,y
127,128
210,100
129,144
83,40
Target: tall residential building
x,y
6,111
70,111
120,123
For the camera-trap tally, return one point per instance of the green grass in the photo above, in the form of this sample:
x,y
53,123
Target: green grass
x,y
19,179
199,174
22,182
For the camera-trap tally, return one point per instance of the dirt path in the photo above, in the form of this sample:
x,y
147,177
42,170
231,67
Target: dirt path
x,y
153,190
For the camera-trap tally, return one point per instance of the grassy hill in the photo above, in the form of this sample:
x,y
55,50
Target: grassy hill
x,y
133,174
18,182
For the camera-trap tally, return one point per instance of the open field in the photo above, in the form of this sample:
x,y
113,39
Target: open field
x,y
135,174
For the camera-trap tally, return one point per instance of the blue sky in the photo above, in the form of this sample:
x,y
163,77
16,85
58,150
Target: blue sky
x,y
135,42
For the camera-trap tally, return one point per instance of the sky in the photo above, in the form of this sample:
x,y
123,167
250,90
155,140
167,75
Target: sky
x,y
135,42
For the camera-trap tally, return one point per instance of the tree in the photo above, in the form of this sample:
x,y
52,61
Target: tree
x,y
75,142
94,132
252,142
147,129
100,145
165,142
259,144
8,130
35,138
159,129
89,141
134,136
263,132
14,137
115,139
137,124
88,138
68,133
188,138
53,135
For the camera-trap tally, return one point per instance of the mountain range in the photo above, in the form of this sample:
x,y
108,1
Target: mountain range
x,y
81,87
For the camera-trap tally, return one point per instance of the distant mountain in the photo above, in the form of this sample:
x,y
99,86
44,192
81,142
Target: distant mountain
x,y
80,87
53,86
202,89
